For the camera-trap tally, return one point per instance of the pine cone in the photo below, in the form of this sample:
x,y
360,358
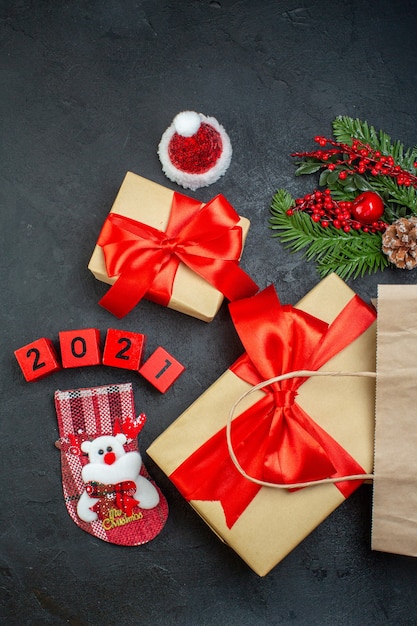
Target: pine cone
x,y
399,243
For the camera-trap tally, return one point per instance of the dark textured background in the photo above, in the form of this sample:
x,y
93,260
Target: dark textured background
x,y
87,89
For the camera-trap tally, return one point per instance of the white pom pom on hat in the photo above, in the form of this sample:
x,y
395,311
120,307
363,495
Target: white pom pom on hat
x,y
187,123
195,150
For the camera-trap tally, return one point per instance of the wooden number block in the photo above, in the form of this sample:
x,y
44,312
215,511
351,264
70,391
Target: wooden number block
x,y
38,359
123,349
80,348
161,369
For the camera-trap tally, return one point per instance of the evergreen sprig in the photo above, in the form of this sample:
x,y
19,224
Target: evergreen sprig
x,y
347,128
350,254
399,199
339,169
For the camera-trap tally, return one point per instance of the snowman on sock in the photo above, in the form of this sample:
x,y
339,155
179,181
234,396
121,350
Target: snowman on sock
x,y
113,480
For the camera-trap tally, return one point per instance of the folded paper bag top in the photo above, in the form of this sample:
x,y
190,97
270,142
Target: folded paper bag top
x,y
331,329
171,249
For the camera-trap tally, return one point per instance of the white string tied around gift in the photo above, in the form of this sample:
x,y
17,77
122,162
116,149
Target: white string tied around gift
x,y
277,379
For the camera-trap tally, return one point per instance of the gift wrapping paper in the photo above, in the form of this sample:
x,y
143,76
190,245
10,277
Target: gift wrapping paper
x,y
263,524
189,271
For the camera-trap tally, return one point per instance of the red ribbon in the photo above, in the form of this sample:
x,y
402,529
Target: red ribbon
x,y
275,440
206,238
119,495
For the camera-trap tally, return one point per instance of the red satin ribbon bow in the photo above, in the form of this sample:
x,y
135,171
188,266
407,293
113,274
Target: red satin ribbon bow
x,y
275,440
144,259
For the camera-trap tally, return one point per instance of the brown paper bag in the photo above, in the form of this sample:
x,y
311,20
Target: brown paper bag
x,y
394,527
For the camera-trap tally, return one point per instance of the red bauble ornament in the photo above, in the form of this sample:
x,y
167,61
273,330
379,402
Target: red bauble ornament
x,y
367,208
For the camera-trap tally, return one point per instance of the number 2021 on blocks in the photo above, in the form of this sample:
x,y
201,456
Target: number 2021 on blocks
x,y
80,348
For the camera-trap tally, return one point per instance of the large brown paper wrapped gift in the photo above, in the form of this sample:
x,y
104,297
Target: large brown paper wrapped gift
x,y
150,205
273,521
394,511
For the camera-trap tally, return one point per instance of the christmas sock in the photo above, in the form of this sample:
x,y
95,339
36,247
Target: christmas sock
x,y
107,490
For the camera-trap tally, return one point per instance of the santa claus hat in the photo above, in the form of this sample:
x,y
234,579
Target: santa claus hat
x,y
195,150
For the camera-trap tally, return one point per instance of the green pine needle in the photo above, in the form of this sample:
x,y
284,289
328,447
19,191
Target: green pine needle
x,y
347,254
354,253
399,199
346,128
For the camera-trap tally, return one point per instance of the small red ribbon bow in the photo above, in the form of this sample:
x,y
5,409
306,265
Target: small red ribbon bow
x,y
206,238
275,440
118,496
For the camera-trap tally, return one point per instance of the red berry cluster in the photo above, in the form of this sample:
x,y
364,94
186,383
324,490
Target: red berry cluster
x,y
326,211
359,158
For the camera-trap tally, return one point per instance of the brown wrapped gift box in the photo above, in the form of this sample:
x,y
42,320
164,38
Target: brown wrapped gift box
x,y
150,203
278,520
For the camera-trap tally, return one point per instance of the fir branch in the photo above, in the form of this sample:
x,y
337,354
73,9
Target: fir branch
x,y
360,159
352,258
399,200
346,128
347,269
347,254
